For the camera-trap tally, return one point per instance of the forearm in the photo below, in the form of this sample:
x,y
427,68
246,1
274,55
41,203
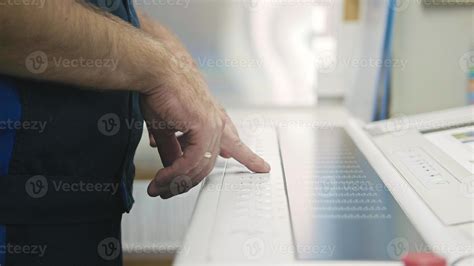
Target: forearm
x,y
66,29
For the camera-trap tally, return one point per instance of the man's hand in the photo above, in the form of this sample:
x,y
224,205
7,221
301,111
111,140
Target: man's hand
x,y
182,106
172,99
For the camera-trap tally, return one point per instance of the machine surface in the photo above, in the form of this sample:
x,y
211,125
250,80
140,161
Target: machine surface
x,y
347,194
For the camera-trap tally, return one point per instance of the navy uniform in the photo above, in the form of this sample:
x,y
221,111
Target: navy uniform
x,y
66,167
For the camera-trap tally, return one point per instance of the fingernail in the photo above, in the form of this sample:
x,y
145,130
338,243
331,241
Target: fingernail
x,y
268,167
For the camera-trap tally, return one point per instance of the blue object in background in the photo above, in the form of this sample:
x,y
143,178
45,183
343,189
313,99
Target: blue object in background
x,y
382,99
10,112
470,87
2,244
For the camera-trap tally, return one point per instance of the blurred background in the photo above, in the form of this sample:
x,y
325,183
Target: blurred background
x,y
266,52
380,58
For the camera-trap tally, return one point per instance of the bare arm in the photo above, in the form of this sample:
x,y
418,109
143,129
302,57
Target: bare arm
x,y
71,30
231,145
181,99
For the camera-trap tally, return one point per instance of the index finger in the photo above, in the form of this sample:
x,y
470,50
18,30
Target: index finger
x,y
244,155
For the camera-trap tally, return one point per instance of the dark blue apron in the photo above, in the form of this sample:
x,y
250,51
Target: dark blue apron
x,y
66,154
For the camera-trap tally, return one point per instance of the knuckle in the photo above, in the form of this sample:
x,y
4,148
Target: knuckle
x,y
218,124
237,142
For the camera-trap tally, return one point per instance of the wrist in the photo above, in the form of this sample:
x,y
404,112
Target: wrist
x,y
153,68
